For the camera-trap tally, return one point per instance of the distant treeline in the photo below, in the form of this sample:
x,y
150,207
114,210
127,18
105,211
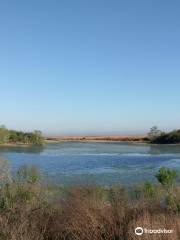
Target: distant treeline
x,y
12,136
159,137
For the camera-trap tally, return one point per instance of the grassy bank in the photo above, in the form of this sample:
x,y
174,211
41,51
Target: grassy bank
x,y
30,210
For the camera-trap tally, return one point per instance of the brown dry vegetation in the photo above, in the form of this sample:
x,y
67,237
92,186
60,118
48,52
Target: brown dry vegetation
x,y
32,211
97,139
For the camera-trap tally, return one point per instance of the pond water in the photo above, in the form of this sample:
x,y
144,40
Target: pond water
x,y
96,163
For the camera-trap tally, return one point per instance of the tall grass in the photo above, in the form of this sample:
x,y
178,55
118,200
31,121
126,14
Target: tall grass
x,y
5,175
31,211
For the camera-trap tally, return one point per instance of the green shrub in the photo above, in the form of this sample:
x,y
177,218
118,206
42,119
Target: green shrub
x,y
11,136
149,190
166,177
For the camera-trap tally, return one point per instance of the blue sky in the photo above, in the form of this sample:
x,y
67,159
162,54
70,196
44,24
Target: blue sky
x,y
90,66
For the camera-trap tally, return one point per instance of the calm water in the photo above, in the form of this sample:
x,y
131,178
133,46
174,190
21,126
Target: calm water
x,y
100,163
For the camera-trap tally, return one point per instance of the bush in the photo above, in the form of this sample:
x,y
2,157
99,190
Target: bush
x,y
11,136
167,138
166,177
149,190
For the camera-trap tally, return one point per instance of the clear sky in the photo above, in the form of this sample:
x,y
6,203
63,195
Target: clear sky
x,y
90,66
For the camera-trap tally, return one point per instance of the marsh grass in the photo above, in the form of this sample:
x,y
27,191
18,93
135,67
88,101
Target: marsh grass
x,y
30,210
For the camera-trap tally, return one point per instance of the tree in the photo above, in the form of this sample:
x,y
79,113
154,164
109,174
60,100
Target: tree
x,y
154,133
4,134
11,136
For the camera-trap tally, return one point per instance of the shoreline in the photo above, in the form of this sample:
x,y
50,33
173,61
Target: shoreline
x,y
96,139
3,145
88,139
21,145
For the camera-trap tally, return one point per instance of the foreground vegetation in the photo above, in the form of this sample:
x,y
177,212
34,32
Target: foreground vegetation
x,y
30,210
19,137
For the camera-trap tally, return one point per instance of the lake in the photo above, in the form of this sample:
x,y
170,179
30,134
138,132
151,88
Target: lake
x,y
107,164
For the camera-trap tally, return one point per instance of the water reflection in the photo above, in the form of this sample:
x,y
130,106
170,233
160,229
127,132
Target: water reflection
x,y
164,149
95,148
29,149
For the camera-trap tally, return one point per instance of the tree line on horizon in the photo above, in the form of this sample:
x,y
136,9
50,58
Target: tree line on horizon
x,y
155,136
12,136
